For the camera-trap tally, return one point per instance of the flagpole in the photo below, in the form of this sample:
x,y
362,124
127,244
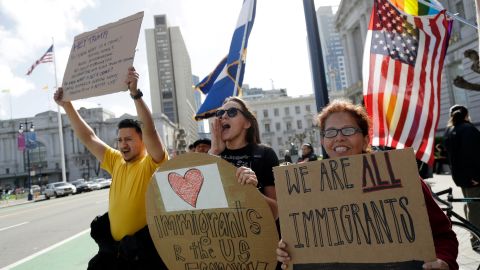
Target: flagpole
x,y
458,18
239,67
59,116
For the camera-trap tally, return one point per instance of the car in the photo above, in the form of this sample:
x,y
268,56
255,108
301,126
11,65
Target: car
x,y
93,185
81,185
59,189
104,183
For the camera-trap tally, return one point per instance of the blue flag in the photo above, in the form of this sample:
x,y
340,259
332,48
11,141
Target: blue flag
x,y
226,79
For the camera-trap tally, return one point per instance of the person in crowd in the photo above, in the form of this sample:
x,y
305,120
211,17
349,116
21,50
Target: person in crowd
x,y
202,145
122,233
308,154
235,138
191,148
440,158
344,131
287,157
462,141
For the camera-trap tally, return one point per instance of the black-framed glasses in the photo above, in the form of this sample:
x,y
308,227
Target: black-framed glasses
x,y
346,131
231,112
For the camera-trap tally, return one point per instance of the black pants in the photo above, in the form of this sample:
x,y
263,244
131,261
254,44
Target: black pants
x,y
132,252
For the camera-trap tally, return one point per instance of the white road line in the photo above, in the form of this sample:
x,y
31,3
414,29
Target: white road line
x,y
26,259
13,226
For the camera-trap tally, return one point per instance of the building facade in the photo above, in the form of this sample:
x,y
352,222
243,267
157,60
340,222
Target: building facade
x,y
285,122
170,76
332,50
352,19
45,162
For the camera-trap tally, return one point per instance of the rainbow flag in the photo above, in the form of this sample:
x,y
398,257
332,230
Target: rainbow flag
x,y
418,7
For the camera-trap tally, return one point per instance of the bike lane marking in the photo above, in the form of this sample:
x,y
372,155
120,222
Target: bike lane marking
x,y
71,253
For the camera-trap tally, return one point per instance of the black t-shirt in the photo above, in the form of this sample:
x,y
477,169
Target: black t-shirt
x,y
261,159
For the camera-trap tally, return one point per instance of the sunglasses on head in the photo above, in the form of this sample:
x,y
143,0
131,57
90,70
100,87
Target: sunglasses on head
x,y
231,112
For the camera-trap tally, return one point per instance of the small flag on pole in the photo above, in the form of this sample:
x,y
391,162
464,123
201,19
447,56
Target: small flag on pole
x,y
226,80
46,58
402,71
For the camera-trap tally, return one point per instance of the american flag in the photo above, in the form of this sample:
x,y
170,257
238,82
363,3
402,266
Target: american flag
x,y
402,70
46,58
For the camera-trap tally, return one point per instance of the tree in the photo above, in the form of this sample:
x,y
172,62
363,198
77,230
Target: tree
x,y
459,81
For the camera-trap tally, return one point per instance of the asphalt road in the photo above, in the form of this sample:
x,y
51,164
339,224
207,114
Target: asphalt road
x,y
29,228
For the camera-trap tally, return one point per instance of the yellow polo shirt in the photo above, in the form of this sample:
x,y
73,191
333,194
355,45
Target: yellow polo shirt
x,y
126,208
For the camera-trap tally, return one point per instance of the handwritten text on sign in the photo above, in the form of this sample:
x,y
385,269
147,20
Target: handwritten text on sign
x,y
99,59
351,209
200,217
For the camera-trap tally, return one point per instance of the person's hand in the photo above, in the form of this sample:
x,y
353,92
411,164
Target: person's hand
x,y
246,176
282,255
217,144
438,264
132,80
58,97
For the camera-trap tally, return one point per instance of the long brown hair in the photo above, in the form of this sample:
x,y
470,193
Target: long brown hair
x,y
253,134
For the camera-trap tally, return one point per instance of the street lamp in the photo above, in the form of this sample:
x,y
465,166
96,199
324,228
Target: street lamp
x,y
28,135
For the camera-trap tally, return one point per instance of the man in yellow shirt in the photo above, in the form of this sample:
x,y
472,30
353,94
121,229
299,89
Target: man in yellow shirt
x,y
122,233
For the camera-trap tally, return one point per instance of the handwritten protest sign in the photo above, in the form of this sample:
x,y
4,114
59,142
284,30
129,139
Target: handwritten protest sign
x,y
200,217
99,59
356,212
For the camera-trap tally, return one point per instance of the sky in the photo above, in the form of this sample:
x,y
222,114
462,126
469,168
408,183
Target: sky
x,y
277,50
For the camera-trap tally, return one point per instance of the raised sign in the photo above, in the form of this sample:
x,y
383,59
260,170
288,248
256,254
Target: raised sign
x,y
99,59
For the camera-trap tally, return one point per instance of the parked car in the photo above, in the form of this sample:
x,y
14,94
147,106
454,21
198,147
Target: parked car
x,y
93,185
104,183
59,189
81,185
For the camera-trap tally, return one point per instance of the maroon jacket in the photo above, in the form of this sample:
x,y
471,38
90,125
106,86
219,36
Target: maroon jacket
x,y
444,239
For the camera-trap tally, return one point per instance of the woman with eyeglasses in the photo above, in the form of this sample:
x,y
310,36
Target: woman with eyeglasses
x,y
235,137
345,131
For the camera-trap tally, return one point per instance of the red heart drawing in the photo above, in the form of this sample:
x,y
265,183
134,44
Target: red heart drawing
x,y
187,187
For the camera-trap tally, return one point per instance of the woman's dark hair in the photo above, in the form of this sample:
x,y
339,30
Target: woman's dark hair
x,y
253,134
131,123
309,147
458,114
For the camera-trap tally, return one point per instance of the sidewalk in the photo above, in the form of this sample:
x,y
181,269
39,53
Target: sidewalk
x,y
14,202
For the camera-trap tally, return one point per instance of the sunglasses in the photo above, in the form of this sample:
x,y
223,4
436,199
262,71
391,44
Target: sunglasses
x,y
231,112
333,132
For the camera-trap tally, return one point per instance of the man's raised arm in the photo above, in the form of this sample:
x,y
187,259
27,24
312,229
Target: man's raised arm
x,y
150,136
82,130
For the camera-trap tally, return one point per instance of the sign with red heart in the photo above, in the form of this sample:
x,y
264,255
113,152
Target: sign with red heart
x,y
200,217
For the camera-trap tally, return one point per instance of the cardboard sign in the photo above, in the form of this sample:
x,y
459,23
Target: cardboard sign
x,y
200,217
356,212
99,59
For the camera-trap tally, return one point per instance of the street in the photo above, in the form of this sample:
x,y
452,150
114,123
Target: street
x,y
29,228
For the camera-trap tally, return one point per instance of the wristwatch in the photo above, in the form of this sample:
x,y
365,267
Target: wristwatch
x,y
138,95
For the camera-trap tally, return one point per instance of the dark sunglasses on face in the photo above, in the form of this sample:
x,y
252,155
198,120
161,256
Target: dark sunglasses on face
x,y
347,131
231,112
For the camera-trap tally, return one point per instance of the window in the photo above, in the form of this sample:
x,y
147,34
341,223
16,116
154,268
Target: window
x,y
287,111
289,126
267,127
297,109
278,126
299,124
7,170
275,112
457,95
279,141
307,108
265,113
